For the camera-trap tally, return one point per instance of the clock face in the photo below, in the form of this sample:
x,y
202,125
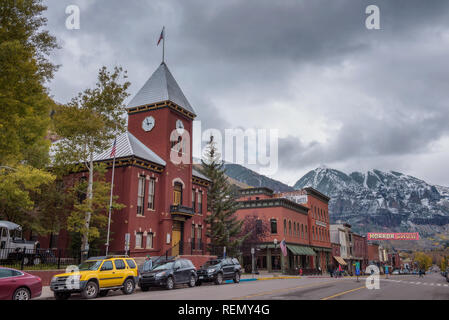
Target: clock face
x,y
148,123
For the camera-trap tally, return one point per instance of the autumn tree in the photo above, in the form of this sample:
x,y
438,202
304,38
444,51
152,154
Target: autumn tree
x,y
87,126
24,108
16,186
97,206
423,260
223,227
254,231
24,101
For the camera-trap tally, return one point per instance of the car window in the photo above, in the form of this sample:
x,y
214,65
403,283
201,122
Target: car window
x,y
107,265
119,264
5,273
165,266
178,264
131,263
190,264
89,265
186,264
235,261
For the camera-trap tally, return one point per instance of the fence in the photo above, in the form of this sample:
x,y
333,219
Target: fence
x,y
37,259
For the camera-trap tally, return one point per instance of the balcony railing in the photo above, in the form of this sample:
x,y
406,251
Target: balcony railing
x,y
181,210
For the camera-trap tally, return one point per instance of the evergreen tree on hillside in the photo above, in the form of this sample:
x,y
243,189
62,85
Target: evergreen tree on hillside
x,y
223,228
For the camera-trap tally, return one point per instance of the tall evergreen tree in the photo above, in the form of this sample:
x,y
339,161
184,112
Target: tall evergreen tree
x,y
223,227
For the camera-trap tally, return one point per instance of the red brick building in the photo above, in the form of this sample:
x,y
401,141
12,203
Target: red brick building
x,y
165,200
373,253
300,217
360,250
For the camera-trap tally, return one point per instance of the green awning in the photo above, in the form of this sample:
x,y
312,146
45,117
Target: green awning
x,y
301,250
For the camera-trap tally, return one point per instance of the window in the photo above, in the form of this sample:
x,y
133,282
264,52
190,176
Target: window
x,y
302,231
313,232
199,233
258,226
151,185
140,195
290,228
185,264
119,264
139,236
306,232
177,194
130,263
193,200
285,226
274,226
294,229
107,265
193,236
200,202
149,240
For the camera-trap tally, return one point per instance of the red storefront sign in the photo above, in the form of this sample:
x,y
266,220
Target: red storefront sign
x,y
393,236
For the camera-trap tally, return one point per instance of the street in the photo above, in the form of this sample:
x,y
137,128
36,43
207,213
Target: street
x,y
397,287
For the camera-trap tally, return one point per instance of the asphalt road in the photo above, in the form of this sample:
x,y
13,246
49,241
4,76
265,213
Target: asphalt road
x,y
398,287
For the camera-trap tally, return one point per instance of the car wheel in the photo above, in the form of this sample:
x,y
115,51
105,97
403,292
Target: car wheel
x,y
237,277
128,286
192,281
90,291
170,283
21,294
103,293
61,295
37,260
219,279
144,288
198,283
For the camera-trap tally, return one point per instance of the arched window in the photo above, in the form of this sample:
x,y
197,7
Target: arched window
x,y
285,226
302,231
294,229
177,194
289,227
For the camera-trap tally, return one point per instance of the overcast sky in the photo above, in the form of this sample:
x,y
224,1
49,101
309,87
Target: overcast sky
x,y
341,95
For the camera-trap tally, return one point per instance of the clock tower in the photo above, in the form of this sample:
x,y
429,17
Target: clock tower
x,y
161,117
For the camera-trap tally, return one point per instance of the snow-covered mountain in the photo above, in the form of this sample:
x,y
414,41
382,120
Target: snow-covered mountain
x,y
381,201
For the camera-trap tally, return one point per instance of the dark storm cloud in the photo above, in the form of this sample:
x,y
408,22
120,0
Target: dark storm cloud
x,y
239,57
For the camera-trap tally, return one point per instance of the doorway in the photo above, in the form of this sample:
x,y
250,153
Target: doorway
x,y
177,235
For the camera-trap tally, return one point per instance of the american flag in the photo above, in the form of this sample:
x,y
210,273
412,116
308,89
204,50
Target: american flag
x,y
162,35
283,246
114,148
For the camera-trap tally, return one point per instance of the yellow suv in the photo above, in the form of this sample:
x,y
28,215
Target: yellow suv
x,y
96,276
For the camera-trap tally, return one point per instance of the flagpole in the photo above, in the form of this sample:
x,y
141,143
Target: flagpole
x,y
163,45
110,200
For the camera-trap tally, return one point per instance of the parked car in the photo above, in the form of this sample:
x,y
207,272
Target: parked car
x,y
168,274
218,270
18,285
97,276
395,271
